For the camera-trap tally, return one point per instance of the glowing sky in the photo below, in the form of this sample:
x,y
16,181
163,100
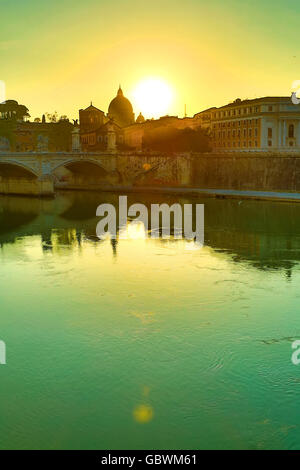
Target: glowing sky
x,y
61,54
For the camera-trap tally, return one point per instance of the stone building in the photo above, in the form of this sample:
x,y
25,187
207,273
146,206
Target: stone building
x,y
17,134
91,118
100,132
204,118
262,124
109,136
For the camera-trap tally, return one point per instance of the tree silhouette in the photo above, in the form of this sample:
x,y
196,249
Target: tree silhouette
x,y
171,140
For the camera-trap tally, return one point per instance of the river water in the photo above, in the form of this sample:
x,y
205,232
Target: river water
x,y
146,344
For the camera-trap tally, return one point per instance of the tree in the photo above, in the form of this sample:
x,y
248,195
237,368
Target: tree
x,y
13,111
171,140
52,117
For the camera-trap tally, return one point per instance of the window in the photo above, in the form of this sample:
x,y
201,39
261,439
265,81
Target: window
x,y
270,143
250,132
291,131
250,143
291,143
270,108
256,143
270,132
255,132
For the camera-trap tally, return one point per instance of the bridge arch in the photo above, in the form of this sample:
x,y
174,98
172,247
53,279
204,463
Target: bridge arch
x,y
15,169
74,162
83,173
19,178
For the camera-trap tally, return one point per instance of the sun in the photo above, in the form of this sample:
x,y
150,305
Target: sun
x,y
152,97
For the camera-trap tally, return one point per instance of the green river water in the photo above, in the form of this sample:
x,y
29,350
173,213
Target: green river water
x,y
145,344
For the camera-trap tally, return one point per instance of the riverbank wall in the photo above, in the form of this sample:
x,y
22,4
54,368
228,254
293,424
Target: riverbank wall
x,y
246,172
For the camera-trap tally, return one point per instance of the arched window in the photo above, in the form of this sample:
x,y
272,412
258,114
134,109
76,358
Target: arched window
x,y
291,130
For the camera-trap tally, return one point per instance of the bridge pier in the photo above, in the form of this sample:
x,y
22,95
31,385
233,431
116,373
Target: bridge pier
x,y
45,186
39,187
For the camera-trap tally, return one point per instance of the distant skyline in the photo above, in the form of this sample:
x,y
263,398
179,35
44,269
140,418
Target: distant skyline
x,y
60,55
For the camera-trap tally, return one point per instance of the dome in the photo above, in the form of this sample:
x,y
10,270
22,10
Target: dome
x,y
140,118
120,110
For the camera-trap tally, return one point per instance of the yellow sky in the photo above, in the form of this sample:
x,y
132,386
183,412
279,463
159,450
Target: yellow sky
x,y
62,54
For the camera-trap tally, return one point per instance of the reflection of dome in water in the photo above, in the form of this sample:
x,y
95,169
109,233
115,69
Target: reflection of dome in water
x,y
120,110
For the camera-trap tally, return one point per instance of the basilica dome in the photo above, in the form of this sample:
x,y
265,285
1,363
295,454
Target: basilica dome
x,y
120,110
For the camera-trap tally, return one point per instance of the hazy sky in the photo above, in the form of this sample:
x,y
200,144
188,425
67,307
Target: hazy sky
x,y
61,54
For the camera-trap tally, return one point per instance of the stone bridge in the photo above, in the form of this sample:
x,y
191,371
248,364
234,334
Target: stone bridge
x,y
40,173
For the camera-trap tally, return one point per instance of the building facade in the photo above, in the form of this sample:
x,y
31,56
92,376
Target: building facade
x,y
91,118
204,118
18,134
109,136
100,132
265,124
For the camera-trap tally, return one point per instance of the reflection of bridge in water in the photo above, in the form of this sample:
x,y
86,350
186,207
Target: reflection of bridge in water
x,y
40,173
264,233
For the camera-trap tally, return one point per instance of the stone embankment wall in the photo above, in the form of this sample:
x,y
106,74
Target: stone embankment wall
x,y
260,172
